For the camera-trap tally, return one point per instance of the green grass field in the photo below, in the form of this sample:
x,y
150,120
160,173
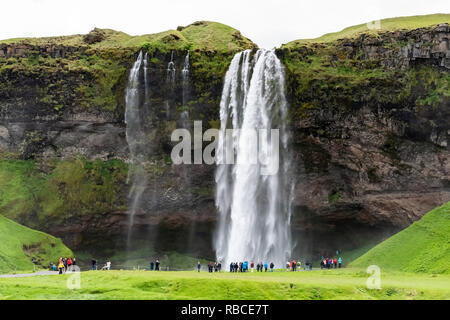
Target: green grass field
x,y
310,285
19,244
422,247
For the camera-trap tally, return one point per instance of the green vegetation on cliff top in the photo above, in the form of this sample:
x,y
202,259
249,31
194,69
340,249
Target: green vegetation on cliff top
x,y
201,35
422,247
19,244
390,24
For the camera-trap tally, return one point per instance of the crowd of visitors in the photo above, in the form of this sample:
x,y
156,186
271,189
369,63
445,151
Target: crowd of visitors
x,y
64,265
330,263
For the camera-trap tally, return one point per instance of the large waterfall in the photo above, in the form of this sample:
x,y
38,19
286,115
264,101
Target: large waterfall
x,y
255,208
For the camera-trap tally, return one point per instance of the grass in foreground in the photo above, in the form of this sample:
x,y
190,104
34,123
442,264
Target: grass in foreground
x,y
315,285
422,247
19,244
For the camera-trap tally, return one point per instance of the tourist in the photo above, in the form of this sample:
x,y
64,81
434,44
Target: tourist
x,y
335,263
152,265
74,262
157,265
299,264
198,266
257,267
293,265
266,265
288,264
271,266
108,264
219,266
245,266
231,266
340,262
61,265
94,264
69,264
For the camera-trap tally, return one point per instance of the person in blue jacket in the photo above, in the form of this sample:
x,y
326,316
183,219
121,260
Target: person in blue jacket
x,y
266,265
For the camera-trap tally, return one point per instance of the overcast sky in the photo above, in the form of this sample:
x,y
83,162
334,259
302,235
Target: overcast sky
x,y
269,23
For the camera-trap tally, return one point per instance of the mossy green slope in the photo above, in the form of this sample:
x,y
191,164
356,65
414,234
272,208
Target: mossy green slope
x,y
201,35
390,24
422,247
39,191
19,244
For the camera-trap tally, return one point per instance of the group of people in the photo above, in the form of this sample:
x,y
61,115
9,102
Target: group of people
x,y
64,265
155,265
245,266
330,263
106,266
212,266
293,265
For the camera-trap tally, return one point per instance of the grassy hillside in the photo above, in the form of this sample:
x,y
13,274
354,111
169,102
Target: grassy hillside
x,y
19,244
390,24
316,285
201,35
422,247
52,190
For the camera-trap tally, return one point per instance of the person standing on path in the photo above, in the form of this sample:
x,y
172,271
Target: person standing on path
x,y
60,266
198,266
94,264
157,265
271,266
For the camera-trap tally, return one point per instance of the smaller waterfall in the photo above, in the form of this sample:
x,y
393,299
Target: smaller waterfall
x,y
185,79
171,71
135,137
185,70
146,74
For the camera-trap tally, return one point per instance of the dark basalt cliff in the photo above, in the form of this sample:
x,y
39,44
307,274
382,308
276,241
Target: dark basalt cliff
x,y
369,118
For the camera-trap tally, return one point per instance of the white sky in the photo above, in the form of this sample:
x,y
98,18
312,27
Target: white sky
x,y
268,23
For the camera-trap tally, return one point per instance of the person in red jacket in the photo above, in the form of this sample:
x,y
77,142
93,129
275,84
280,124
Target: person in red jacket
x,y
335,263
69,264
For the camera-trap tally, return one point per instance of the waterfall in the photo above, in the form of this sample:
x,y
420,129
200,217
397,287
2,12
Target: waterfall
x,y
255,209
171,71
185,79
135,137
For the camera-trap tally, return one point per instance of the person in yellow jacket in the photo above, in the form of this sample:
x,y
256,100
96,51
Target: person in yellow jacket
x,y
61,266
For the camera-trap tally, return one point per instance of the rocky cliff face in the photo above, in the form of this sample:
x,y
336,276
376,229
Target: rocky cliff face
x,y
369,121
371,134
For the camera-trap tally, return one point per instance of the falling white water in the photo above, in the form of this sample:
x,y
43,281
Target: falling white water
x,y
171,71
135,137
255,209
185,79
185,70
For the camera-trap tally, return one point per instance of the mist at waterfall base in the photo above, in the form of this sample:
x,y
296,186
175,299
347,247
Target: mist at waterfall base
x,y
255,209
